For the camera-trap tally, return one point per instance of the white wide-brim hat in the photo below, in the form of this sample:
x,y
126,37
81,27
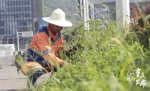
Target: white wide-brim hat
x,y
58,18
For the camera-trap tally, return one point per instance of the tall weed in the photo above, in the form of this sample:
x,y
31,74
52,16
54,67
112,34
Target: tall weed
x,y
101,61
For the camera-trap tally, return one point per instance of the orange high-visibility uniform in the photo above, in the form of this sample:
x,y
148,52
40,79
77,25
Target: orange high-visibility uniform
x,y
48,45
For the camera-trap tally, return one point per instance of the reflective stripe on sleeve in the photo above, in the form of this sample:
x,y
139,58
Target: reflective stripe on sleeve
x,y
47,51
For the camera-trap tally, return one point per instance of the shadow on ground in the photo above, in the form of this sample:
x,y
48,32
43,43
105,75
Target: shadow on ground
x,y
15,90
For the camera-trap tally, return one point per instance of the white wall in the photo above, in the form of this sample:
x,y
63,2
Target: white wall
x,y
7,50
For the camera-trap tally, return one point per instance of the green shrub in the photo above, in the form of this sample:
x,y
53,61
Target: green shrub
x,y
101,61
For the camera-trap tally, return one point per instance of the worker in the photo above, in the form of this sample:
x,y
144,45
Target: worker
x,y
43,52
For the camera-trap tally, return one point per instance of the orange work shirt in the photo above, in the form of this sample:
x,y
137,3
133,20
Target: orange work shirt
x,y
45,40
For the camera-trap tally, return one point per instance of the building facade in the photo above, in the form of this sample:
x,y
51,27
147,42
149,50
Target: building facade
x,y
41,23
18,16
103,11
106,10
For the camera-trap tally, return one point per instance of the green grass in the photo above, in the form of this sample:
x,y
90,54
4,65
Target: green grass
x,y
101,62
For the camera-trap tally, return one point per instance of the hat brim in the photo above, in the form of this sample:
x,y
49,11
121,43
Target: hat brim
x,y
62,23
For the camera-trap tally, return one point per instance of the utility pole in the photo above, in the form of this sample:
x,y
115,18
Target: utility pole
x,y
87,9
91,10
80,7
122,12
86,15
84,12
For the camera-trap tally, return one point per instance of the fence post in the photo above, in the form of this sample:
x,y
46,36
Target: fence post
x,y
1,66
13,63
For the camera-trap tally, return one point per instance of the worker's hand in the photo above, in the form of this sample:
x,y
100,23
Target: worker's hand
x,y
65,64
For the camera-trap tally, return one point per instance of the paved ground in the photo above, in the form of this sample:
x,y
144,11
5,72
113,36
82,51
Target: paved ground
x,y
9,78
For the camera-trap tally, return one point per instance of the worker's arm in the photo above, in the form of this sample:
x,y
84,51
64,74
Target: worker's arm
x,y
44,46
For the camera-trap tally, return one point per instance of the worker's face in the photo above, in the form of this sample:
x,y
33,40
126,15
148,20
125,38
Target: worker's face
x,y
55,29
